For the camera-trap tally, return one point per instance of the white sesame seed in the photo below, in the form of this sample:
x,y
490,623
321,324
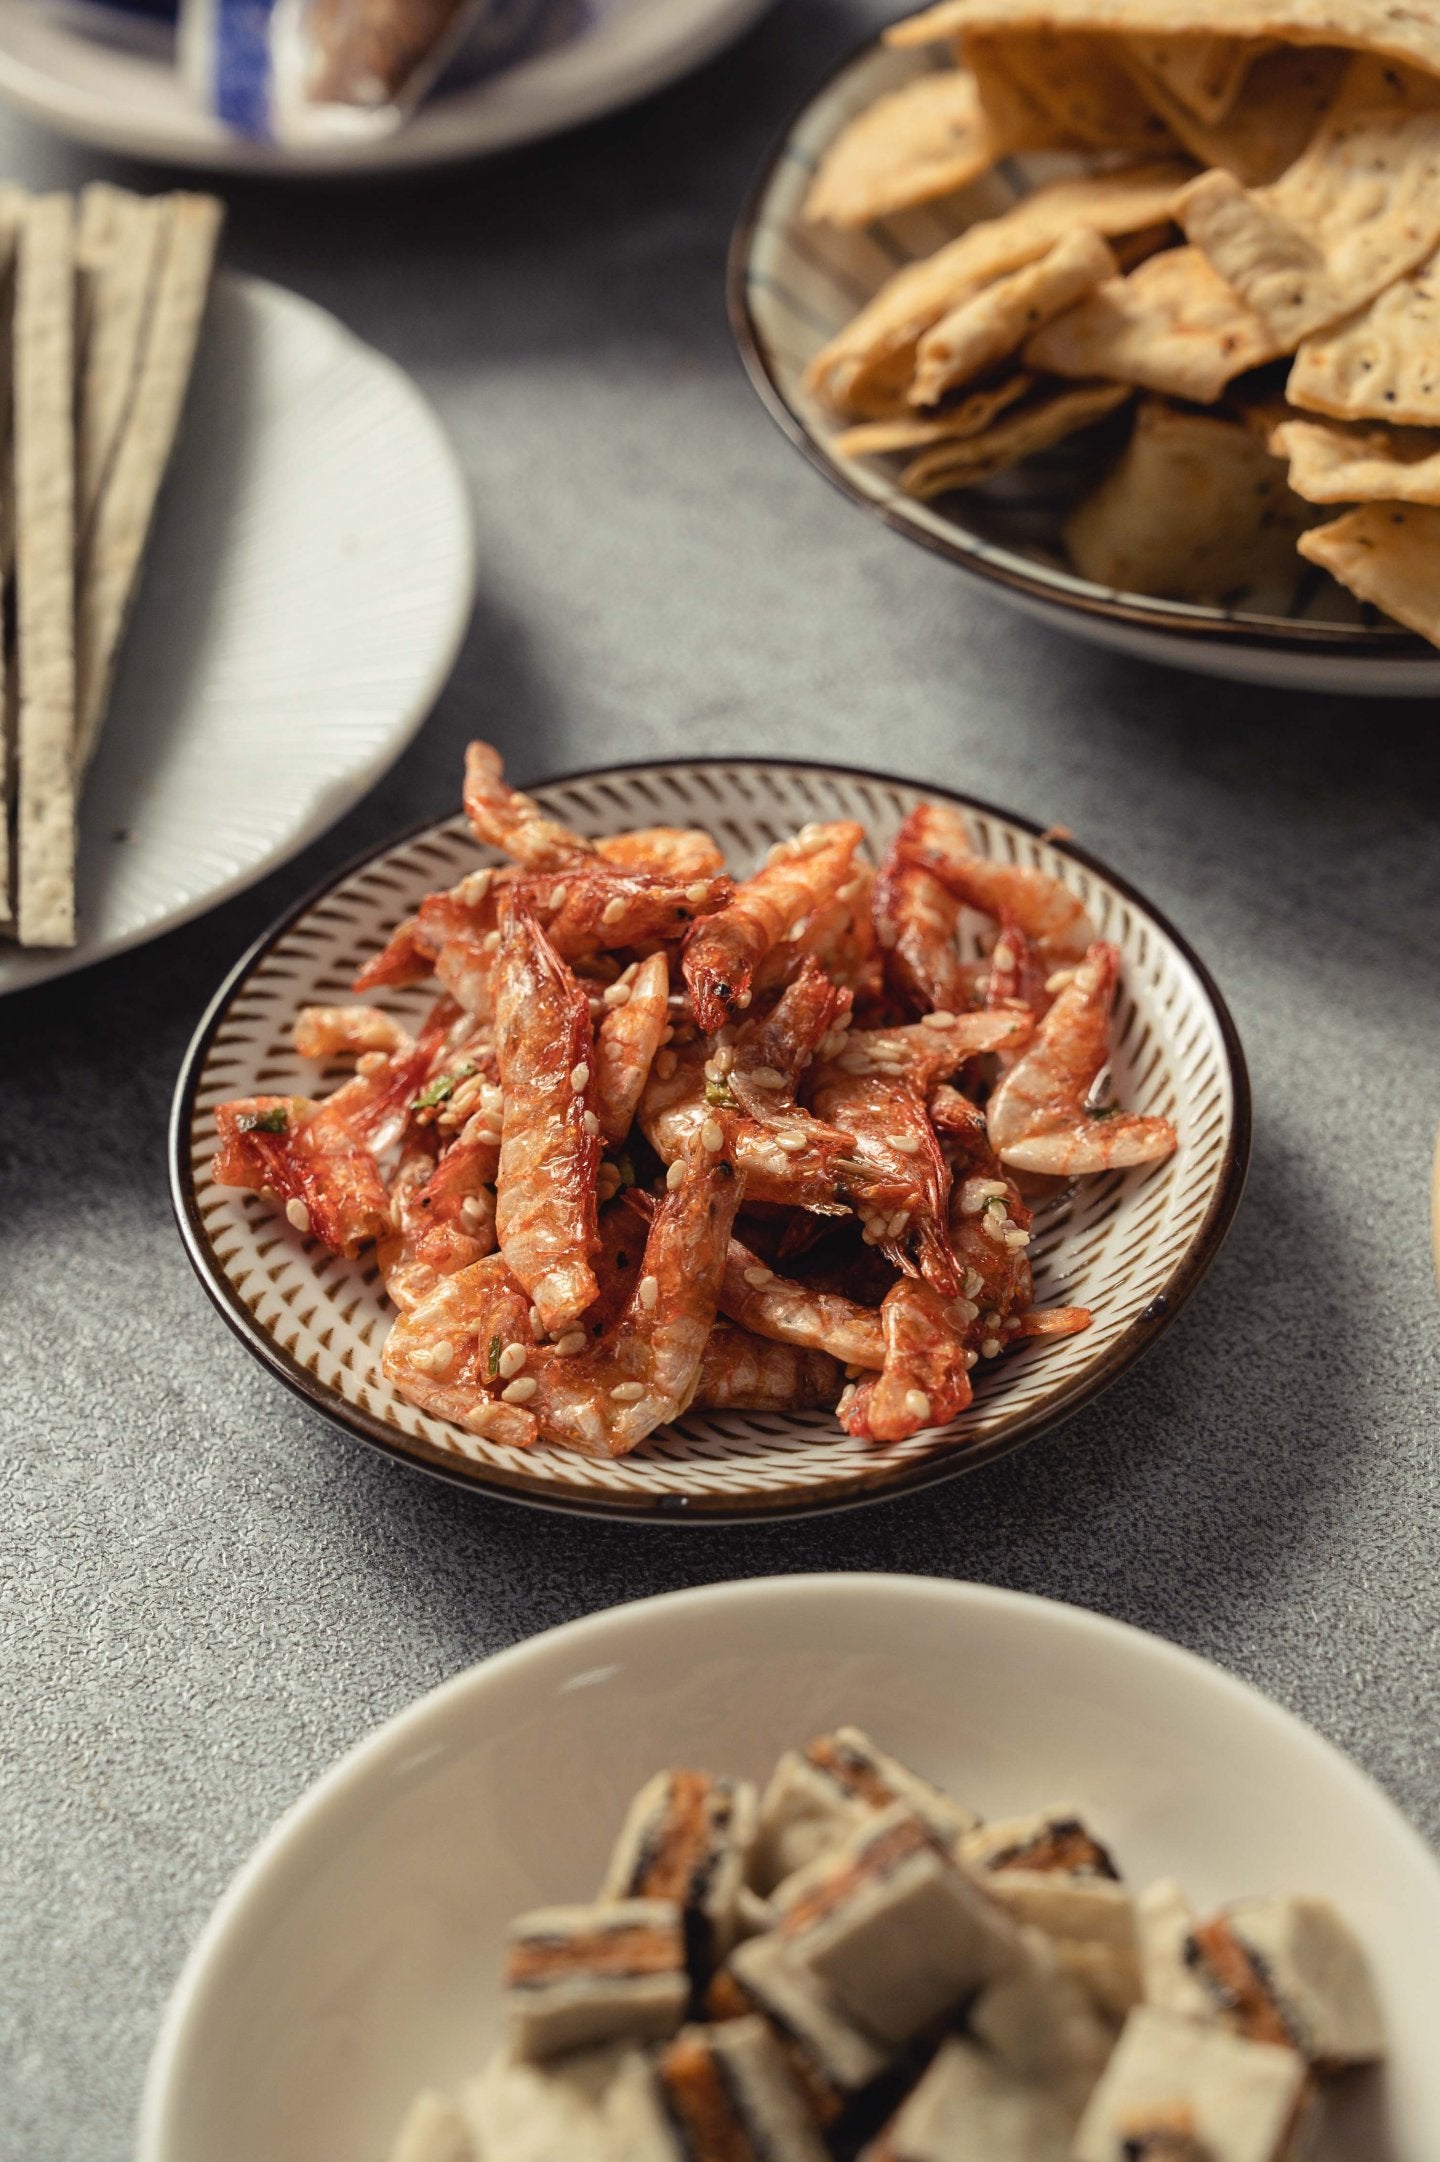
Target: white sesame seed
x,y
898,1223
994,1226
490,941
992,1320
798,929
519,1392
441,1355
792,1144
1003,955
579,1075
628,1392
649,1293
965,1310
847,1398
616,994
993,1189
990,1348
591,1124
917,1403
371,1062
722,1058
474,888
512,1358
853,1373
665,1064
697,891
557,896
765,1077
567,1345
907,1144
612,911
712,1135
873,1233
1017,1238
941,1018
1058,982
675,1176
421,1358
971,1359
830,1045
974,1283
757,1277
536,1324
743,1000
297,1214
472,1209
489,1135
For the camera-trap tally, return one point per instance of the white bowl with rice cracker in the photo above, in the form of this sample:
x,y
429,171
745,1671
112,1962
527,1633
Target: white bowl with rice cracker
x,y
963,367
305,587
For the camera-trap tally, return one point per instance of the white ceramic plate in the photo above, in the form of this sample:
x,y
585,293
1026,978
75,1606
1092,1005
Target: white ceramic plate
x,y
353,1959
306,591
1130,1245
135,103
793,284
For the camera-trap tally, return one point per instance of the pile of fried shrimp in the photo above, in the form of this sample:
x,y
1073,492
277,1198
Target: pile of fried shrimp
x,y
671,1139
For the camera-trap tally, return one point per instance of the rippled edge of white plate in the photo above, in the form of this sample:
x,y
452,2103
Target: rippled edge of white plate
x,y
397,1742
22,968
135,105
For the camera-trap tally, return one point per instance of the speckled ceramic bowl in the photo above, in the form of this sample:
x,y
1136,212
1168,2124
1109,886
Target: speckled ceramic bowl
x,y
1130,1245
794,284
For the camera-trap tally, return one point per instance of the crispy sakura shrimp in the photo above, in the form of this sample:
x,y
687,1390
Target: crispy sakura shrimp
x,y
631,1031
452,935
921,1052
926,1376
1039,1117
334,1032
898,1178
677,852
447,1353
839,936
319,1158
794,1162
794,1313
1017,975
915,921
763,1067
443,1215
596,910
550,1151
741,1372
512,822
1053,1321
935,838
723,951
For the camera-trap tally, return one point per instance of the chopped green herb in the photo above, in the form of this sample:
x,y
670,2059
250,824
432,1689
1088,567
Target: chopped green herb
x,y
626,1169
493,1362
1102,1111
718,1093
276,1121
441,1089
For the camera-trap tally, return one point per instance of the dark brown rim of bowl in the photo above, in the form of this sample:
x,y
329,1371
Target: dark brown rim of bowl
x,y
1266,634
680,1508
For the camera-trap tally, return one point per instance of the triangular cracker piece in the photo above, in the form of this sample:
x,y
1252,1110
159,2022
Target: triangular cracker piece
x,y
975,411
119,241
1171,326
1380,364
45,570
1195,509
868,364
1042,86
1357,210
1407,34
1046,419
1333,463
1202,72
995,322
1387,554
121,524
910,147
1286,95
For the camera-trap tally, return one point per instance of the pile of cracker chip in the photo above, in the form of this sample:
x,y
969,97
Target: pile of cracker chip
x,y
101,301
1246,247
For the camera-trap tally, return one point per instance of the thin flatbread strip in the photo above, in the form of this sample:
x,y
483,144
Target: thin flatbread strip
x,y
1381,364
1048,419
873,438
12,203
869,363
120,239
1041,86
1202,72
1333,463
996,321
1387,554
1194,509
1286,96
1172,326
45,570
1408,34
911,147
1357,210
121,523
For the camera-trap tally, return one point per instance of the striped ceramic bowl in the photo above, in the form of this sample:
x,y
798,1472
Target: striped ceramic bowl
x,y
793,285
1130,1245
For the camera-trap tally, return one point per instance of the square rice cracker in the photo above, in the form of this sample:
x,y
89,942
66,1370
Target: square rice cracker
x,y
1333,461
1387,554
1382,363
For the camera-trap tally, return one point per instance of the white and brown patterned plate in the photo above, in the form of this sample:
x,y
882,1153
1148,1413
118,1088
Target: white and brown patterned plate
x,y
1130,1245
793,284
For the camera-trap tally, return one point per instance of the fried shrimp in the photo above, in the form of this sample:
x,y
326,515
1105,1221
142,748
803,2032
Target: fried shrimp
x,y
1041,1117
723,951
676,852
512,822
925,1379
631,1031
545,1196
741,1372
934,838
791,1312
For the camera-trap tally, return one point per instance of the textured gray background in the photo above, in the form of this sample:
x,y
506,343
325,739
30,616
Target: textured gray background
x,y
209,1593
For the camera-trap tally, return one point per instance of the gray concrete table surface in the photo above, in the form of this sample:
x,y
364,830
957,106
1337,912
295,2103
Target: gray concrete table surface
x,y
209,1592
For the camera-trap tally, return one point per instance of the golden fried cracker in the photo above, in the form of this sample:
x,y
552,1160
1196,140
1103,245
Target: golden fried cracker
x,y
1046,419
1172,326
1382,363
915,145
1332,462
1387,554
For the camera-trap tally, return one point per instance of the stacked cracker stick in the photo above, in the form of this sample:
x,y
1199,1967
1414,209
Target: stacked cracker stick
x,y
103,301
1250,224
